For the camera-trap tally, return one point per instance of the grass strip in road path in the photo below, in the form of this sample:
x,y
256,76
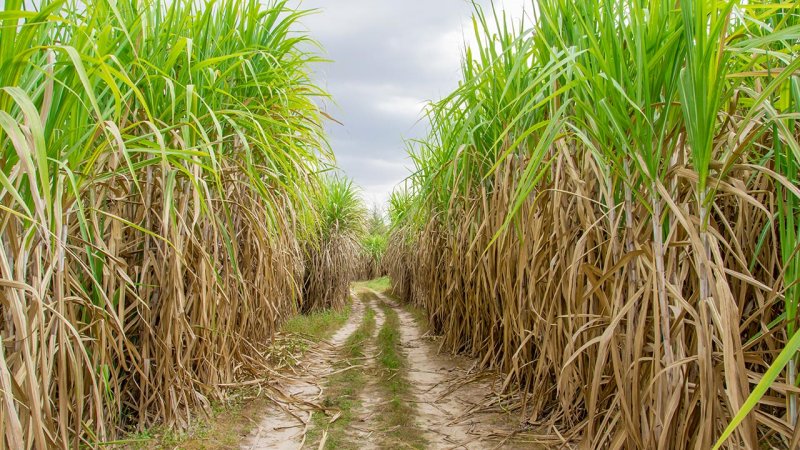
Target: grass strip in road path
x,y
383,286
343,389
398,417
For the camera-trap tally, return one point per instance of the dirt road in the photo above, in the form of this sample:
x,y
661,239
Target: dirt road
x,y
380,382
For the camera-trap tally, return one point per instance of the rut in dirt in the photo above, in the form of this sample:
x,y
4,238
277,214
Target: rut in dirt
x,y
455,406
410,394
285,424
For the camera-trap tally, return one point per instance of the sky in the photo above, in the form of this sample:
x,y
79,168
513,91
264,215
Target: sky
x,y
388,58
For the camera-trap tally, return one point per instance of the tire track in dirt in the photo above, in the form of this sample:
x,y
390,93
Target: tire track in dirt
x,y
366,429
453,407
452,404
285,422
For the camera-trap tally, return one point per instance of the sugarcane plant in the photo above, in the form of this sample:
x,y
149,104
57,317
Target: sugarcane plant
x,y
614,182
155,157
333,248
373,246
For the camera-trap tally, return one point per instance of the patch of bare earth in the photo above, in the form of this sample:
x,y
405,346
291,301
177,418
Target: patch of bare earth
x,y
455,408
285,422
365,426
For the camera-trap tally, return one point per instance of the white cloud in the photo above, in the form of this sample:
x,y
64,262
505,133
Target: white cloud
x,y
389,58
401,107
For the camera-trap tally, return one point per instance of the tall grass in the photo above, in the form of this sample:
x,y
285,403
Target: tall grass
x,y
373,247
606,210
402,231
155,160
333,248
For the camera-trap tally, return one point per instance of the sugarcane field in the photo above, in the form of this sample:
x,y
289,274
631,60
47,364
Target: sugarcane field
x,y
373,224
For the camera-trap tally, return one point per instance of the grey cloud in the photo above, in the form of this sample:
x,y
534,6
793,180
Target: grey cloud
x,y
389,58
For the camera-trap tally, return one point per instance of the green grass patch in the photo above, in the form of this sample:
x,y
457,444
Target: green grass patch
x,y
382,284
398,417
343,389
317,325
354,345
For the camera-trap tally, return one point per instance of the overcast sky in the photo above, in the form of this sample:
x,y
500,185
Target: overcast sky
x,y
389,57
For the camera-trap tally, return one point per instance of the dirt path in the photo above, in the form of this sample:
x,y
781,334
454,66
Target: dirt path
x,y
446,405
365,426
284,425
455,408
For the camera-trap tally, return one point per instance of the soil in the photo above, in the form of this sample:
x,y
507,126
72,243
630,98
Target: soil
x,y
284,425
454,406
370,400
